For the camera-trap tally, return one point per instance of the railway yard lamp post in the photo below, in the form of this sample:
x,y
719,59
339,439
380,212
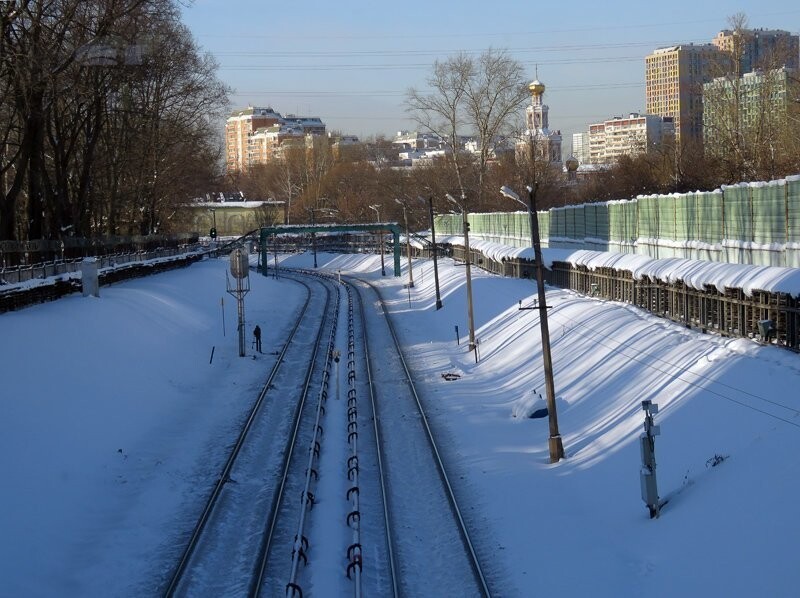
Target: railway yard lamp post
x,y
473,346
377,209
429,201
408,243
555,444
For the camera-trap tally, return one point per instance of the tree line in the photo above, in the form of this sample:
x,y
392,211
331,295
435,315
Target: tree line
x,y
109,117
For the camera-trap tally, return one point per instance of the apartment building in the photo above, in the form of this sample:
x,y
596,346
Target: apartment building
x,y
239,126
259,135
268,143
765,102
628,135
760,48
674,79
580,147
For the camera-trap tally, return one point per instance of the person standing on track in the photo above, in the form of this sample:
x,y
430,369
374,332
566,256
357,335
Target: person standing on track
x,y
257,337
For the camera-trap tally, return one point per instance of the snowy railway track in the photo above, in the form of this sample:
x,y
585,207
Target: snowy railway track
x,y
431,543
220,557
343,491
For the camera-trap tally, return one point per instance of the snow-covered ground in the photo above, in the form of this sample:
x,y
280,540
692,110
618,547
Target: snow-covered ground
x,y
111,414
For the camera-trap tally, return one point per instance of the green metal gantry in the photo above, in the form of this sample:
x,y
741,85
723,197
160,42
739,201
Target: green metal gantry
x,y
294,229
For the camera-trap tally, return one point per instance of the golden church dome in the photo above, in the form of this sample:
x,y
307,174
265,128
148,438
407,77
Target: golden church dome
x,y
536,87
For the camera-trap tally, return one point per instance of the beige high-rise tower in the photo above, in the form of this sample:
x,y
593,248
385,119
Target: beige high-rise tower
x,y
674,79
238,128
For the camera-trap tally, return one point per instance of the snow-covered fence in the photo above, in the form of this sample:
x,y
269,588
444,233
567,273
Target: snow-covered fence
x,y
749,223
728,299
49,285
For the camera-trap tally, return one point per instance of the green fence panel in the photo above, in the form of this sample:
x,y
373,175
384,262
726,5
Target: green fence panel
x,y
590,220
709,225
557,222
769,212
623,220
544,225
666,217
648,216
601,230
793,209
738,223
576,218
685,217
616,222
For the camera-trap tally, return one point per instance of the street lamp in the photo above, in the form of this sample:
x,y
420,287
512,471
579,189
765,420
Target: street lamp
x,y
377,209
408,244
429,201
555,444
471,320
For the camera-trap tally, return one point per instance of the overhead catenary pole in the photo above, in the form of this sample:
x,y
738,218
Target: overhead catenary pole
x,y
377,209
313,238
465,224
408,244
555,443
433,250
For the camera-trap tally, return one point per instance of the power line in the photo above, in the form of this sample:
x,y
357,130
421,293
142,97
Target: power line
x,y
407,66
401,93
471,34
428,52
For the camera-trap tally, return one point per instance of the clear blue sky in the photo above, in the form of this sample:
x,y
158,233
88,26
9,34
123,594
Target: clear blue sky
x,y
351,62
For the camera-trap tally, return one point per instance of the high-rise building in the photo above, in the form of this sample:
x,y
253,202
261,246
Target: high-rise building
x,y
760,48
238,128
629,135
674,79
580,147
757,105
257,135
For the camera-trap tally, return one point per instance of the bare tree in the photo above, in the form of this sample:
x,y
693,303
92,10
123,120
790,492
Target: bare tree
x,y
97,136
442,111
748,129
495,94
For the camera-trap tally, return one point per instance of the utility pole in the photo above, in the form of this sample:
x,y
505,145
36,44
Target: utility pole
x,y
408,244
377,209
434,250
555,443
473,346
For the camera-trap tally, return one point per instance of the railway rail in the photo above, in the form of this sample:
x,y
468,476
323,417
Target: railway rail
x,y
335,485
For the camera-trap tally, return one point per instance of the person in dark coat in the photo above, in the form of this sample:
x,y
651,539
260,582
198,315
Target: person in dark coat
x,y
257,337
